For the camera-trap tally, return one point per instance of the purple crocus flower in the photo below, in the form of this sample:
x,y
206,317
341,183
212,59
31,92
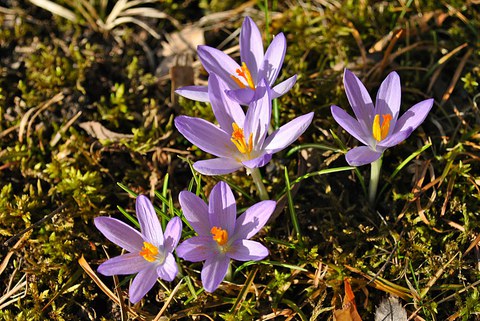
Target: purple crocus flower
x,y
150,252
378,127
221,235
242,81
240,140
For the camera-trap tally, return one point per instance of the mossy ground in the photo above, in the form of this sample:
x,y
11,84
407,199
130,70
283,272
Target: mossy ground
x,y
421,242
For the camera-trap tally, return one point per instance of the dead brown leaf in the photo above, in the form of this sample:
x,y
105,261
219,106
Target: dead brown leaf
x,y
349,310
98,131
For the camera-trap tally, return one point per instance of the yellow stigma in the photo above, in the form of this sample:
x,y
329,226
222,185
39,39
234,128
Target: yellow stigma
x,y
238,139
219,235
244,73
149,251
381,131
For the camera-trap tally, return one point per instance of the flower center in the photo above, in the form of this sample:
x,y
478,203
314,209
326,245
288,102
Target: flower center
x,y
380,131
244,73
238,138
149,251
219,235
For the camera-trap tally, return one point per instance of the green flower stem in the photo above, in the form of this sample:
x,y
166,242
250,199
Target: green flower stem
x,y
229,275
376,166
257,179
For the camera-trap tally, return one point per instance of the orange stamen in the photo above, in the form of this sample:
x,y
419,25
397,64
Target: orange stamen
x,y
219,235
244,73
380,132
149,251
238,139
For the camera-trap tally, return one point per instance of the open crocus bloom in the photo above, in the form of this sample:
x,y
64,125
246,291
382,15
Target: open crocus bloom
x,y
378,127
240,140
243,80
221,235
150,252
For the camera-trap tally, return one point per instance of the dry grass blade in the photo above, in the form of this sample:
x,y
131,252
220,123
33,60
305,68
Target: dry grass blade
x,y
13,293
456,76
144,12
417,24
450,186
56,9
437,275
392,43
118,290
419,182
167,303
7,257
84,12
452,53
86,267
91,10
26,122
244,291
384,285
140,23
472,245
358,39
119,7
278,313
441,63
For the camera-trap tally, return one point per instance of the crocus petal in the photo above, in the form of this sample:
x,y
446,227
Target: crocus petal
x,y
214,271
243,96
258,115
217,166
362,155
259,161
288,133
197,249
173,232
148,219
205,135
247,250
125,264
350,124
414,116
395,138
222,207
217,62
226,110
120,233
274,58
389,97
169,269
195,211
283,87
142,283
251,47
359,99
253,219
198,93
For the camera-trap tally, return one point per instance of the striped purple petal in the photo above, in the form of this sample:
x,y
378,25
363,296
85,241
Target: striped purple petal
x,y
120,233
125,264
195,211
148,219
251,47
222,207
142,283
247,250
214,271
